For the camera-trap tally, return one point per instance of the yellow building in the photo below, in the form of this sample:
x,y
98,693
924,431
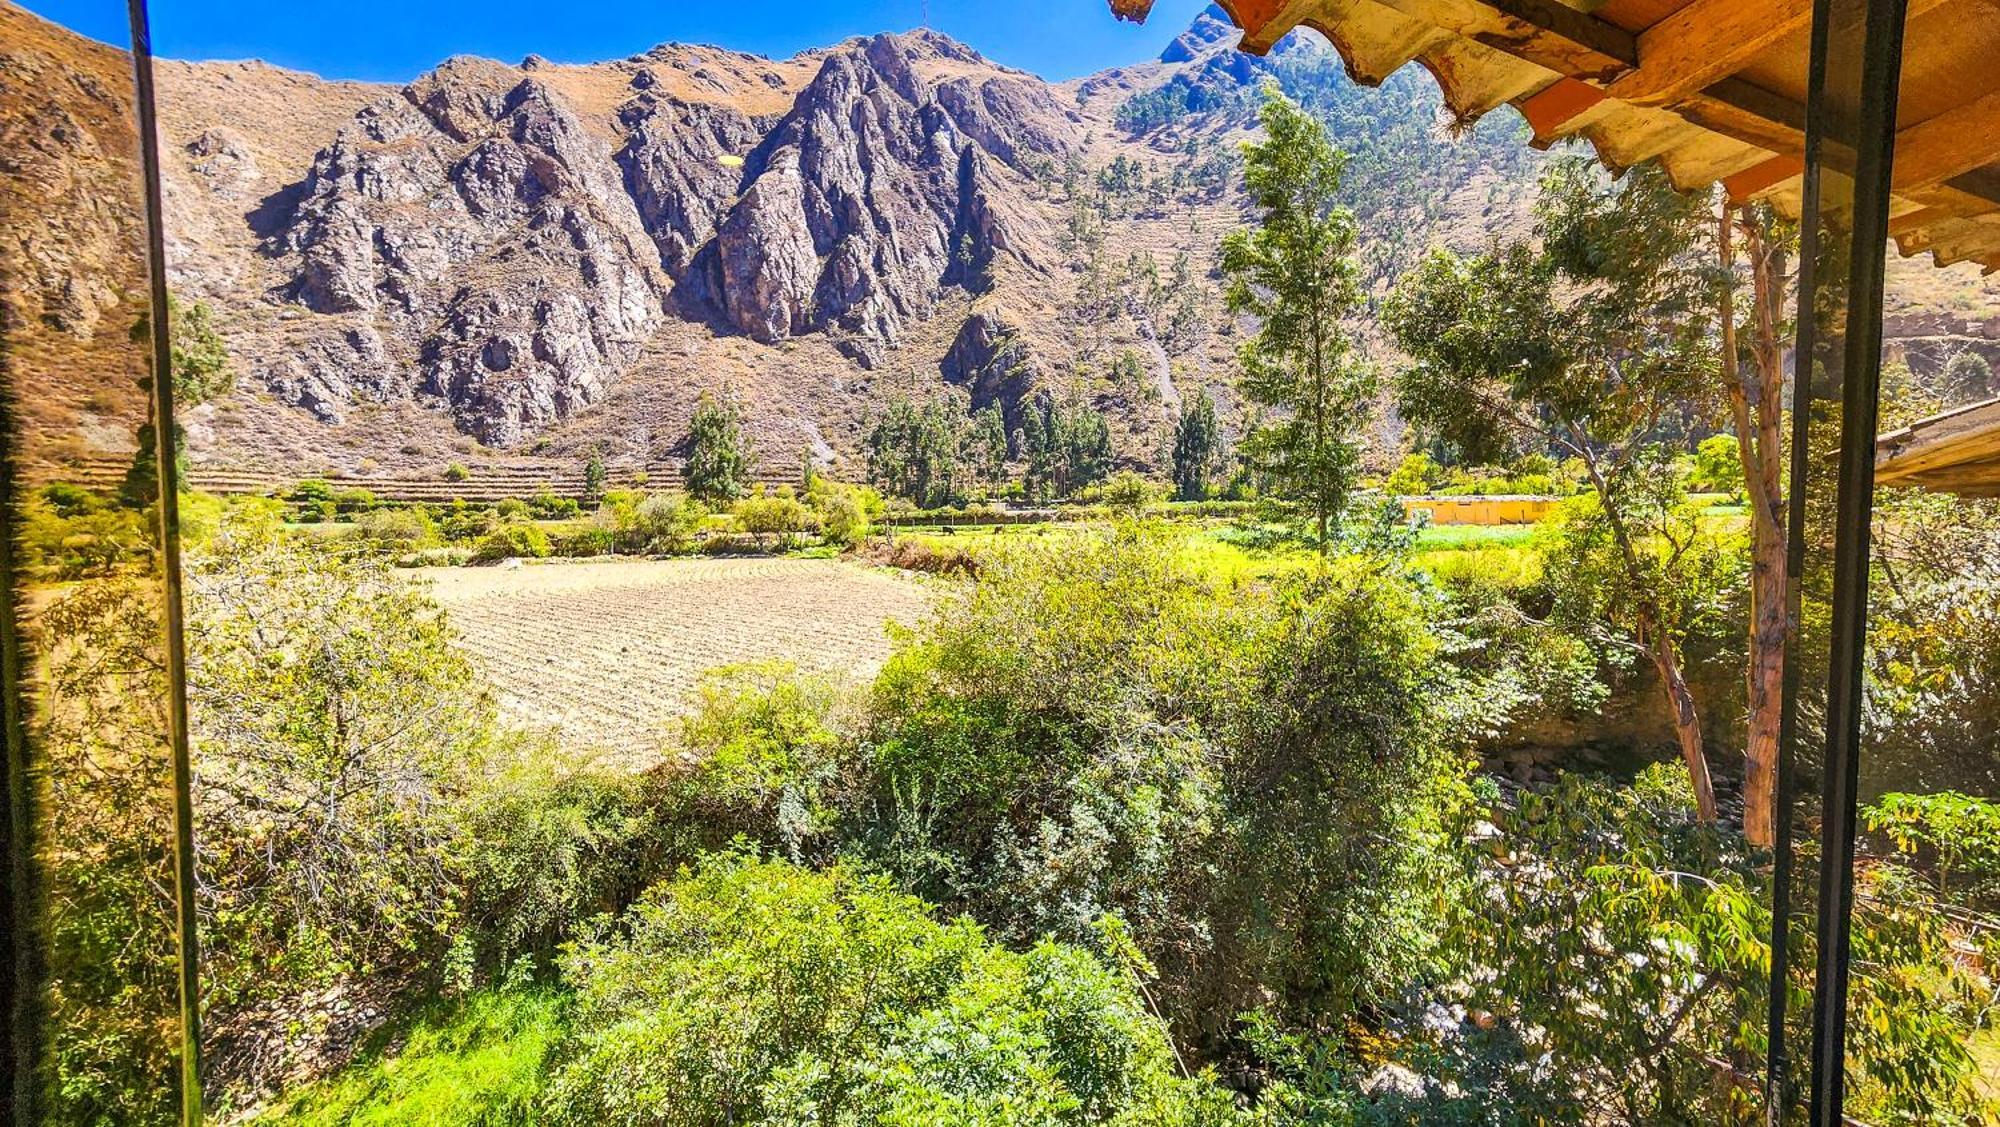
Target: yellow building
x,y
1497,509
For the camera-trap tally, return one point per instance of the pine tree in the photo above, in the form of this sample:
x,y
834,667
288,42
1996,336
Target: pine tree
x,y
1195,447
718,461
1295,272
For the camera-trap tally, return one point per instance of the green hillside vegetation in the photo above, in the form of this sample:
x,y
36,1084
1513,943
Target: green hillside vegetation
x,y
1171,813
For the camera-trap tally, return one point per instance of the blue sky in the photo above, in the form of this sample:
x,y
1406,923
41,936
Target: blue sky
x,y
395,40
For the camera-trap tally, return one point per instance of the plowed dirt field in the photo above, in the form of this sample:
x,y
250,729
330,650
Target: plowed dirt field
x,y
608,652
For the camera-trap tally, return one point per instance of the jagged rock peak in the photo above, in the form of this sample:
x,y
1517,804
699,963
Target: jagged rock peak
x,y
1210,28
478,216
464,95
861,205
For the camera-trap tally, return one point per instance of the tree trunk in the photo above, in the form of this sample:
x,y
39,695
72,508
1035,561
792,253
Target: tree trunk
x,y
1755,404
1680,701
1658,645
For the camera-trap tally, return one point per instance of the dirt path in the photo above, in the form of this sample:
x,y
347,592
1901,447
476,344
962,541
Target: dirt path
x,y
607,653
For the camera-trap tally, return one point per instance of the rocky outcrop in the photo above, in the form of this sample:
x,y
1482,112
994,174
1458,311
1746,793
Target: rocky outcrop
x,y
683,166
1211,28
990,359
873,193
479,218
514,253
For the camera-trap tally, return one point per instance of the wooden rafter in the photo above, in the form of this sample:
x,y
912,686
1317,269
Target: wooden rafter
x,y
1681,90
1706,41
1953,143
1957,451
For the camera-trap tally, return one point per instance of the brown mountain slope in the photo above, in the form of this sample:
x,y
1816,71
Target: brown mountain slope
x,y
517,266
72,275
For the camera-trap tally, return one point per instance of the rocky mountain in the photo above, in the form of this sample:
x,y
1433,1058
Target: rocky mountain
x,y
524,265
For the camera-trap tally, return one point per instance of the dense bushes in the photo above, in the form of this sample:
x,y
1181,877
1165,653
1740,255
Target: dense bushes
x,y
513,541
337,737
1107,727
1106,762
753,992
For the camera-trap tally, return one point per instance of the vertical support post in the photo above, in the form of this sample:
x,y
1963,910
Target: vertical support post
x,y
1858,59
1777,1066
21,981
167,508
1778,1091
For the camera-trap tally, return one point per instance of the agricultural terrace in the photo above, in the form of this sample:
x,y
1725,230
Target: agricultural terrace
x,y
607,652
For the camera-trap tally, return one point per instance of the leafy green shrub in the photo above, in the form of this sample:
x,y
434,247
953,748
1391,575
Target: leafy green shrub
x,y
1416,474
578,543
462,522
336,734
399,529
550,848
777,515
456,471
545,505
667,523
513,541
1127,494
847,512
752,992
770,754
1718,468
350,501
1104,726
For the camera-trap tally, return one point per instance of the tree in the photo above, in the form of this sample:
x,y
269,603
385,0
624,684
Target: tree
x,y
779,514
1755,394
200,366
986,446
718,462
1967,378
335,726
1196,446
915,452
1067,445
593,478
1582,342
1295,272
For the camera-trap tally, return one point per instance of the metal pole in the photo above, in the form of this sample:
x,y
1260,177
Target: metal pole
x,y
1873,116
21,983
168,509
1777,1065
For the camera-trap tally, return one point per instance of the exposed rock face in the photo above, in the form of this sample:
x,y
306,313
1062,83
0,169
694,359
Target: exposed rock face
x,y
477,242
481,218
564,257
1210,29
873,193
683,165
990,360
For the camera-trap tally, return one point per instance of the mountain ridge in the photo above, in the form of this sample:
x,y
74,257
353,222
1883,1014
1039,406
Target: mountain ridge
x,y
543,262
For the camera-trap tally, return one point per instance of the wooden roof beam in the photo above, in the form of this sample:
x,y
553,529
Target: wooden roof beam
x,y
1956,142
1685,60
1705,42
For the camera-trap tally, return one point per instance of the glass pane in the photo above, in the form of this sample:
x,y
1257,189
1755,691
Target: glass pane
x,y
889,579
1922,773
86,587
